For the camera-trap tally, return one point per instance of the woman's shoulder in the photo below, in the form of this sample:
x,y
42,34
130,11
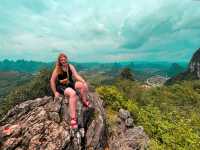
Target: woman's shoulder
x,y
55,71
71,66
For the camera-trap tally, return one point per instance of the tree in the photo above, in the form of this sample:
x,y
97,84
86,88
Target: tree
x,y
126,73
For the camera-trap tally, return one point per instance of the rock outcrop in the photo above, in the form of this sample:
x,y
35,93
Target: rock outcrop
x,y
125,135
191,73
194,65
42,124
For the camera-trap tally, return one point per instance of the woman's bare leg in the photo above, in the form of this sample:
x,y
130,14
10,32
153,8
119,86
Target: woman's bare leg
x,y
83,90
72,104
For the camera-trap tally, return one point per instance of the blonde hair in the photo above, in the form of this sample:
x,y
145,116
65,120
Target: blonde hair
x,y
58,64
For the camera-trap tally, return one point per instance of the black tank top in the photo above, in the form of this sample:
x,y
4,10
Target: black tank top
x,y
64,75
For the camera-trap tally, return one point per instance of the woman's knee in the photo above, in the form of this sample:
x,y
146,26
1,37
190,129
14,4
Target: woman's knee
x,y
80,85
70,92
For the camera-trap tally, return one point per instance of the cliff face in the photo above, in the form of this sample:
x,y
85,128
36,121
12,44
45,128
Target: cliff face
x,y
43,124
192,72
194,65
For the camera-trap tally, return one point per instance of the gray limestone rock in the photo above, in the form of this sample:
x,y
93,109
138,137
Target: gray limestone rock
x,y
43,123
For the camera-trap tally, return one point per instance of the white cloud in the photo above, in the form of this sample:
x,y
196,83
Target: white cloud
x,y
32,29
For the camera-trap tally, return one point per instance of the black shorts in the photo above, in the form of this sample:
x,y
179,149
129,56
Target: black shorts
x,y
61,88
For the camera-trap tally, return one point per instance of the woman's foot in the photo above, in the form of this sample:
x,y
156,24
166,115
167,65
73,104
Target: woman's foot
x,y
73,123
86,104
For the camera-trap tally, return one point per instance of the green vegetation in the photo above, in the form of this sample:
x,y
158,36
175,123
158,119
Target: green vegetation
x,y
170,115
126,74
10,80
37,87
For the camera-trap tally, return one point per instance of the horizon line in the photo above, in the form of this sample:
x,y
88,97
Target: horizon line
x,y
103,62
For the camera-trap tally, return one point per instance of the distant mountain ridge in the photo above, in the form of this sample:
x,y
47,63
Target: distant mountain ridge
x,y
146,68
23,65
175,69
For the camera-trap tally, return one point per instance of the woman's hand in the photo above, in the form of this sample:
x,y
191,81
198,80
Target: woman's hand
x,y
56,94
64,81
85,84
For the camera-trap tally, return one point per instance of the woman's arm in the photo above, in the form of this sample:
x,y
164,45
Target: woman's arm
x,y
53,82
76,75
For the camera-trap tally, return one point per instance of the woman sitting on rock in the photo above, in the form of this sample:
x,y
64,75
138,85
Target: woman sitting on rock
x,y
62,83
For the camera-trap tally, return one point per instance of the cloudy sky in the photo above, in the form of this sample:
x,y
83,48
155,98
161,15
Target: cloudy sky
x,y
99,30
